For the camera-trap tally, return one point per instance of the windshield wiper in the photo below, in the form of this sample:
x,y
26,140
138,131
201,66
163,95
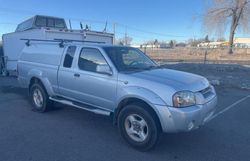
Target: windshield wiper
x,y
134,68
153,67
138,69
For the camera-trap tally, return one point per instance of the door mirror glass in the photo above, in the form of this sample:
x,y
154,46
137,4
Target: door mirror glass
x,y
104,69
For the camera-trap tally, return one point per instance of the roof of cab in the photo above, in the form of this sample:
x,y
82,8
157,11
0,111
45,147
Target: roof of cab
x,y
97,45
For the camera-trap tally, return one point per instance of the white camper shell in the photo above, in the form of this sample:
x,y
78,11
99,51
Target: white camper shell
x,y
46,28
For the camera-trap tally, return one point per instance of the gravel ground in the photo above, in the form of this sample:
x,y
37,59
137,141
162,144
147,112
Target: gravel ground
x,y
224,75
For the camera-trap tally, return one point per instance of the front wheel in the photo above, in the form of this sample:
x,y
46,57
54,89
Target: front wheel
x,y
39,98
138,127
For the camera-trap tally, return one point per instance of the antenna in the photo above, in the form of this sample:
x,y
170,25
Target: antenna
x,y
87,27
105,28
81,26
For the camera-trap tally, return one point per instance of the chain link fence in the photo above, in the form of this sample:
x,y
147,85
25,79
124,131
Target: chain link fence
x,y
199,55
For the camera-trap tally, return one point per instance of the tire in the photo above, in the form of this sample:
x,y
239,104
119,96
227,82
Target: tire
x,y
39,98
132,127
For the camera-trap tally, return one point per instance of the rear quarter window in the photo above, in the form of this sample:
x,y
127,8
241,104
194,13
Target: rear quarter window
x,y
68,60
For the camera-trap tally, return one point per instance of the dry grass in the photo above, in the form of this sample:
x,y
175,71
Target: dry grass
x,y
240,56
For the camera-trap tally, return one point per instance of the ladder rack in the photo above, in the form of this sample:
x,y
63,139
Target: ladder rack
x,y
60,41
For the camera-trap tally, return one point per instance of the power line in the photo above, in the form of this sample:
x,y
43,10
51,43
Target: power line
x,y
149,32
7,23
115,25
99,22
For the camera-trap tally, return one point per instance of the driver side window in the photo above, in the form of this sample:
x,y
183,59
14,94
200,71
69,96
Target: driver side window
x,y
89,59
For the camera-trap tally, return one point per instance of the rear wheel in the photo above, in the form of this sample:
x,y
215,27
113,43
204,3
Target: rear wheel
x,y
39,98
138,127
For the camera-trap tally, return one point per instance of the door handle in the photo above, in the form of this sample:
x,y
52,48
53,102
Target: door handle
x,y
76,75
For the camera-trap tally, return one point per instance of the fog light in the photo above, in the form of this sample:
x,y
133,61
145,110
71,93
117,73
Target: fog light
x,y
191,125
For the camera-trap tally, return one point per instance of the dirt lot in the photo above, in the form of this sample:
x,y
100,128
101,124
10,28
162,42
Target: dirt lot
x,y
224,75
181,54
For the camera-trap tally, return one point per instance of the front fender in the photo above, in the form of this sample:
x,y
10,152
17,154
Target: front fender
x,y
141,93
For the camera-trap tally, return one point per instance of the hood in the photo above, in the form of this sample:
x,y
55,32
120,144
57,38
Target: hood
x,y
176,79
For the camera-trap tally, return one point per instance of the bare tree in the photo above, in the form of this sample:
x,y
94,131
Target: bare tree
x,y
126,40
156,43
172,43
221,13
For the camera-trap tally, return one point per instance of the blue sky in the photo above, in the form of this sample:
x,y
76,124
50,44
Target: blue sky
x,y
172,19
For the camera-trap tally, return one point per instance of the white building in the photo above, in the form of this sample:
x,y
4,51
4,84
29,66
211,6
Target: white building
x,y
211,44
242,42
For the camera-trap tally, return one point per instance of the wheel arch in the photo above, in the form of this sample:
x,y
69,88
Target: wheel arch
x,y
135,100
42,82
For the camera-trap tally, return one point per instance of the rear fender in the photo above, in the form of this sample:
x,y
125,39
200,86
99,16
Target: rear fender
x,y
45,81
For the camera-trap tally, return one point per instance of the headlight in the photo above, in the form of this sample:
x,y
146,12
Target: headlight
x,y
184,99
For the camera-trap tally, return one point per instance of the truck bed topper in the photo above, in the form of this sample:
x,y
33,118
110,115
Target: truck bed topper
x,y
45,28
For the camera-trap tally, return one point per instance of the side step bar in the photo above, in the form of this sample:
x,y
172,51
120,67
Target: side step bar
x,y
81,106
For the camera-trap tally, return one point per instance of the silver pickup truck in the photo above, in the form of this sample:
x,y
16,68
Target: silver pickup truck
x,y
143,99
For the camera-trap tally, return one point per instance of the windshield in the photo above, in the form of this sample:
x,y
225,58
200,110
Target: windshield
x,y
129,59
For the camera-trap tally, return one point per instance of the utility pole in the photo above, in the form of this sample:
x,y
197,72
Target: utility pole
x,y
70,25
114,30
126,37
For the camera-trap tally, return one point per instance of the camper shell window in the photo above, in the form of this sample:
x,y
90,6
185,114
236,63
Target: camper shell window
x,y
50,22
59,23
25,25
41,22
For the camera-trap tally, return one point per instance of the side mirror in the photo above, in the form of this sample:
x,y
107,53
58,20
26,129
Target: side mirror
x,y
104,69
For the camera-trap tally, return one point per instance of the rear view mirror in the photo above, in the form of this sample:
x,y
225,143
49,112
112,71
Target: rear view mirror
x,y
104,69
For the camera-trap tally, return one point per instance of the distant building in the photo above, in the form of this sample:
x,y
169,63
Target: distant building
x,y
165,45
242,42
238,43
135,46
160,45
181,44
150,46
211,44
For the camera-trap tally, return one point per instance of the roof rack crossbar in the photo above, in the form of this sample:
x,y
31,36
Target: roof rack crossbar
x,y
41,40
61,41
71,40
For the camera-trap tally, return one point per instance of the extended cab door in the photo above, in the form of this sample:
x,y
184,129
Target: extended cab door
x,y
84,84
66,72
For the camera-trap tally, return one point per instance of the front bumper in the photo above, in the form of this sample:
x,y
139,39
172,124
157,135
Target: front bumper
x,y
186,119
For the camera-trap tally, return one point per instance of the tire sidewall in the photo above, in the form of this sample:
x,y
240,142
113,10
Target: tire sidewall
x,y
44,95
153,130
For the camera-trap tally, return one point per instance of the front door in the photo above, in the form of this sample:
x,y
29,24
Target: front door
x,y
90,87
